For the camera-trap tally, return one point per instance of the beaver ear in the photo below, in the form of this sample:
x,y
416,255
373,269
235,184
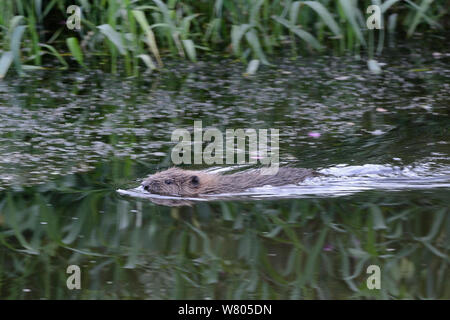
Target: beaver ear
x,y
195,180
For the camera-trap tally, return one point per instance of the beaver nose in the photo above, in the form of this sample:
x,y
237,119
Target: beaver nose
x,y
146,186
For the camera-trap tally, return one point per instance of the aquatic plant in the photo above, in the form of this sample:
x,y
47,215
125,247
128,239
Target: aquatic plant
x,y
130,33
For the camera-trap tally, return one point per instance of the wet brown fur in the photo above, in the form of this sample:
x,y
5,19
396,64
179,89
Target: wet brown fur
x,y
189,183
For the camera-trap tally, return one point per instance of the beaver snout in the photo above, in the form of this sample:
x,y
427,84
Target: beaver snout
x,y
151,186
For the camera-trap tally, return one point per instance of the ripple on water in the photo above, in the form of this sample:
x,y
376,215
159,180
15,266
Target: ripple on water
x,y
337,181
327,110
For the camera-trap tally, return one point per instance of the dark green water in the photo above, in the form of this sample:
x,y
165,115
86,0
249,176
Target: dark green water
x,y
69,141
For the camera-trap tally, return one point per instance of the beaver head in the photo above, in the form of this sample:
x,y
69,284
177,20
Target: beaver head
x,y
175,182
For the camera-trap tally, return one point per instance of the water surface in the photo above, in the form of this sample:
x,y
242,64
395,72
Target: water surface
x,y
70,140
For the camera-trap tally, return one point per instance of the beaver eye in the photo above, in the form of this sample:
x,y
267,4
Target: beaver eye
x,y
195,181
168,182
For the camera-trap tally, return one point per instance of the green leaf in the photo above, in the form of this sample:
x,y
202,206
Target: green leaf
x,y
5,62
140,17
392,22
293,12
227,215
387,4
359,267
374,66
15,21
420,13
274,232
252,39
165,11
190,49
13,217
325,15
274,275
377,216
237,32
186,23
252,67
56,54
436,226
435,251
302,34
31,67
75,49
148,61
16,40
113,36
254,12
312,261
358,253
350,13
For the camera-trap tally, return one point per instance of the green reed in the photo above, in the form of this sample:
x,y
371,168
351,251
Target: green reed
x,y
133,33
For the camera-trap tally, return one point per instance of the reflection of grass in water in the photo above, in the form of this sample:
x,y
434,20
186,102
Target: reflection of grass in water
x,y
284,249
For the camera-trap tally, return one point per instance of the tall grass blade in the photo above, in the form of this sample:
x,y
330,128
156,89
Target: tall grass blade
x,y
302,34
326,16
351,14
374,66
165,11
437,224
392,23
16,40
56,54
254,12
190,49
387,4
186,24
420,13
377,215
15,21
5,62
140,17
74,47
252,39
312,261
148,61
252,67
38,9
237,33
294,10
113,36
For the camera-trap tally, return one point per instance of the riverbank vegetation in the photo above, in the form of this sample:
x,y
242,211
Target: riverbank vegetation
x,y
129,34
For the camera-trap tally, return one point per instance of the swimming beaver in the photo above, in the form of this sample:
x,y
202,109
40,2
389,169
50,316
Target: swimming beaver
x,y
188,183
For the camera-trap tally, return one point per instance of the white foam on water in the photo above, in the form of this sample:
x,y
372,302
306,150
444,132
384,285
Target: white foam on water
x,y
339,180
